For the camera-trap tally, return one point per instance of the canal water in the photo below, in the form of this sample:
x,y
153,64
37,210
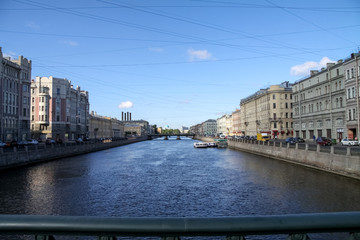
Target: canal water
x,y
171,178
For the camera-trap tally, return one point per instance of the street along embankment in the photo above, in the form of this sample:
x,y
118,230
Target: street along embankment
x,y
26,156
342,164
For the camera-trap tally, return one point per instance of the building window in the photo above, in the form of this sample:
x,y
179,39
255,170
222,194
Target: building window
x,y
32,117
273,96
354,114
274,105
58,91
275,125
57,118
24,112
337,72
353,92
349,117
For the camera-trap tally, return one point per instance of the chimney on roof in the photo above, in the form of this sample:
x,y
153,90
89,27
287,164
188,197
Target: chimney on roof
x,y
313,72
329,65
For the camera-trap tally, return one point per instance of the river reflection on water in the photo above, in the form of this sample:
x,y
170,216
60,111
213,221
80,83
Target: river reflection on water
x,y
172,179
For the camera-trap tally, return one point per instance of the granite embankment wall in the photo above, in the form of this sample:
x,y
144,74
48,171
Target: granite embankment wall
x,y
342,164
18,158
204,139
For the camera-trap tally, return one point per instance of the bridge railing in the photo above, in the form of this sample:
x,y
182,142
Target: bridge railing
x,y
295,226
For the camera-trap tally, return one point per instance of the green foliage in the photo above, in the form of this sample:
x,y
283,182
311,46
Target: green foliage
x,y
170,131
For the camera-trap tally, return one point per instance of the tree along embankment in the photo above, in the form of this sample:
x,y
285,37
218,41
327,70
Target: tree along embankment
x,y
342,164
41,153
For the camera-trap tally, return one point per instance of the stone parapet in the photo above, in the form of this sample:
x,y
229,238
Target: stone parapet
x,y
345,165
52,152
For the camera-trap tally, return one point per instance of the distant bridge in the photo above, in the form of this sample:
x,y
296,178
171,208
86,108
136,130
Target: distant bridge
x,y
166,136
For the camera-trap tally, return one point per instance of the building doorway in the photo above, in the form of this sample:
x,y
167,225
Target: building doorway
x,y
352,133
328,133
304,134
319,132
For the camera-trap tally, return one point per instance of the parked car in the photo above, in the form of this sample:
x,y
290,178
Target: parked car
x,y
323,141
349,142
32,142
79,140
23,143
299,139
12,143
290,140
49,141
2,144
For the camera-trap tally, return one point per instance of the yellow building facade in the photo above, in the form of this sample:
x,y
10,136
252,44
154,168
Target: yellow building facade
x,y
268,111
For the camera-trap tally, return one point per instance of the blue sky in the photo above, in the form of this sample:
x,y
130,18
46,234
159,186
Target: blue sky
x,y
177,63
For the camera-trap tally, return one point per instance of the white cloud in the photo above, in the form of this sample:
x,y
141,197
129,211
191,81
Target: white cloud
x,y
156,49
70,43
126,104
304,69
32,25
199,55
11,55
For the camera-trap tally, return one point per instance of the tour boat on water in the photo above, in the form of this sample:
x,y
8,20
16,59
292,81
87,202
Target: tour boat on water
x,y
200,145
212,144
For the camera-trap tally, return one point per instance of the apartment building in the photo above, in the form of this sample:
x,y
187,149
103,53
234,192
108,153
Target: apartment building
x,y
268,111
221,127
105,127
209,127
136,127
15,78
58,110
352,91
319,103
236,122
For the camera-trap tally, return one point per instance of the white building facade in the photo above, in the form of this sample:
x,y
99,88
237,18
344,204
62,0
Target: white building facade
x,y
209,127
58,110
221,125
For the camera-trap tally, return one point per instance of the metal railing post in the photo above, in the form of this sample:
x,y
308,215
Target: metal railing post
x,y
348,151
